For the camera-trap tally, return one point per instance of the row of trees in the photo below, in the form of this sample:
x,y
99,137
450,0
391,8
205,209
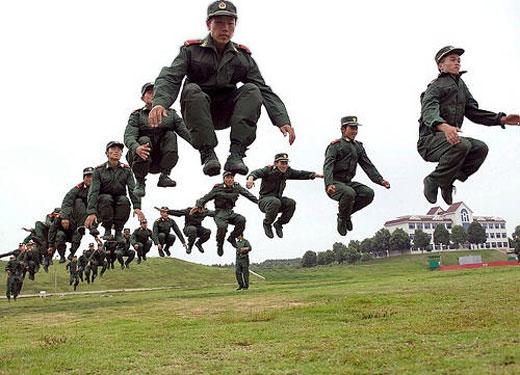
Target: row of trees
x,y
475,234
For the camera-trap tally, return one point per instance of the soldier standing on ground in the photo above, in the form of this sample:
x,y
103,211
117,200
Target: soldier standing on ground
x,y
153,149
107,197
444,105
14,269
141,240
83,261
74,271
242,262
210,99
97,259
225,196
341,159
161,232
272,202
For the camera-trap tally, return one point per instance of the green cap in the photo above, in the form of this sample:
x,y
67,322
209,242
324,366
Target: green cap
x,y
222,8
349,121
88,171
164,208
445,51
281,157
146,87
227,173
114,143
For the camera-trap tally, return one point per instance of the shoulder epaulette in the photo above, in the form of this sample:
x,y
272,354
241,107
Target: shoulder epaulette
x,y
244,48
80,185
100,166
270,166
136,111
193,42
156,220
217,185
335,141
125,165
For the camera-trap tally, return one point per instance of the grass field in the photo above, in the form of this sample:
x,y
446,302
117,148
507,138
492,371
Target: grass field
x,y
386,316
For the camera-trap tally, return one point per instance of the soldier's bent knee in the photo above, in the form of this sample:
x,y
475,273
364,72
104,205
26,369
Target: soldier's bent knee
x,y
192,89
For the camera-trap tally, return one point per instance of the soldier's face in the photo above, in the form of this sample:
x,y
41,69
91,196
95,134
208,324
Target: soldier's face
x,y
164,214
450,64
229,180
148,97
114,153
87,180
282,165
349,132
221,29
144,225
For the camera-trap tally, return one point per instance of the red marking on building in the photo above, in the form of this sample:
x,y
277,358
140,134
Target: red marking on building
x,y
499,263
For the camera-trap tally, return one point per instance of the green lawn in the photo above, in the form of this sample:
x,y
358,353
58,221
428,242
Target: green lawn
x,y
386,316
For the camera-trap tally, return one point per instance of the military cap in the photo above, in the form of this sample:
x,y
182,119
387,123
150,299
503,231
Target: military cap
x,y
126,230
164,208
91,244
228,173
349,121
114,143
445,51
281,157
145,88
144,221
222,8
87,171
56,210
21,244
30,243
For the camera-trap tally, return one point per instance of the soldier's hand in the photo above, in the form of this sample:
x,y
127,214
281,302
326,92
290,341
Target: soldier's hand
x,y
90,220
331,189
451,133
156,115
318,175
50,251
139,214
143,151
386,184
65,224
512,119
288,129
250,183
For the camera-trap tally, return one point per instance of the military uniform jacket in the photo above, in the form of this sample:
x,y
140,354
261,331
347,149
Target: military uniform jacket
x,y
274,181
447,100
72,267
125,245
80,191
195,219
341,159
83,259
14,267
140,235
240,244
164,226
138,127
97,256
107,180
199,62
225,197
53,231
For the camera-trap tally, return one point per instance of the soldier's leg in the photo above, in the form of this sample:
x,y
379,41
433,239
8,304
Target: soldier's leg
x,y
121,213
474,159
191,233
104,266
162,241
170,239
245,273
221,223
87,274
147,247
238,274
169,157
139,249
271,207
76,281
131,256
247,103
345,195
71,279
94,268
41,232
119,256
203,233
239,222
288,207
75,243
364,196
9,287
105,209
196,112
140,167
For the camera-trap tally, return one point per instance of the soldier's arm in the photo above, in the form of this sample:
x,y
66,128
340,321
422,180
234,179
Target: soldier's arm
x,y
295,174
130,183
481,116
272,103
132,132
368,167
209,213
205,199
178,232
178,213
179,127
93,193
328,165
68,203
168,84
259,173
155,233
51,238
133,238
244,192
430,107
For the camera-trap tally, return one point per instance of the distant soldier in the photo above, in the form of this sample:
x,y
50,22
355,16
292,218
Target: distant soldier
x,y
272,202
74,271
141,240
30,259
242,262
83,261
123,250
14,269
40,236
15,252
193,228
59,236
110,246
225,196
161,232
341,160
74,210
153,150
444,105
96,260
107,196
210,99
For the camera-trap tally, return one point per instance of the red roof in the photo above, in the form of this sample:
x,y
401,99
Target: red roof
x,y
454,207
434,210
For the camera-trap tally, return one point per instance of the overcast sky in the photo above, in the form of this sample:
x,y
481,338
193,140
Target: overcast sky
x,y
71,74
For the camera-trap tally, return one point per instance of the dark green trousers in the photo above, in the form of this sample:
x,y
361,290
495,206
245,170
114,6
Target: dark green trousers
x,y
204,113
272,206
223,218
456,162
143,249
194,231
242,272
120,253
352,197
163,157
113,210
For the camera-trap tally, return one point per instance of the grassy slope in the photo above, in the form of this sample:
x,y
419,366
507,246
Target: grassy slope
x,y
389,316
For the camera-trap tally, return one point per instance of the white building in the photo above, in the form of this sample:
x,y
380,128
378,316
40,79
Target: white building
x,y
456,214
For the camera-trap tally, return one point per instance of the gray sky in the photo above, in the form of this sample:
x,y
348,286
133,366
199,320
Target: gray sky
x,y
71,74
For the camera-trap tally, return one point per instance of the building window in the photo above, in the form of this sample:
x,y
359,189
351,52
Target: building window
x,y
503,225
419,226
500,244
484,225
434,225
506,244
464,216
427,226
493,244
497,225
487,245
487,235
411,226
492,235
448,225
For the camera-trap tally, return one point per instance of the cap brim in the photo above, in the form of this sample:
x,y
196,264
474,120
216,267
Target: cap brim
x,y
222,13
351,124
457,51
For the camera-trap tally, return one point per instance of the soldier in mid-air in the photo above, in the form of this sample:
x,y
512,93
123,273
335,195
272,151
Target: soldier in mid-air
x,y
161,232
141,240
123,250
341,159
272,202
210,99
225,196
444,105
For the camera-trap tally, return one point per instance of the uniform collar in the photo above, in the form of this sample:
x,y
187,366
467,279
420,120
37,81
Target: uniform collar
x,y
208,42
348,140
107,165
443,74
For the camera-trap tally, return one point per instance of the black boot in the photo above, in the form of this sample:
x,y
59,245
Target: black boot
x,y
140,188
234,162
268,230
220,249
199,246
342,226
210,161
165,181
430,189
107,234
279,229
